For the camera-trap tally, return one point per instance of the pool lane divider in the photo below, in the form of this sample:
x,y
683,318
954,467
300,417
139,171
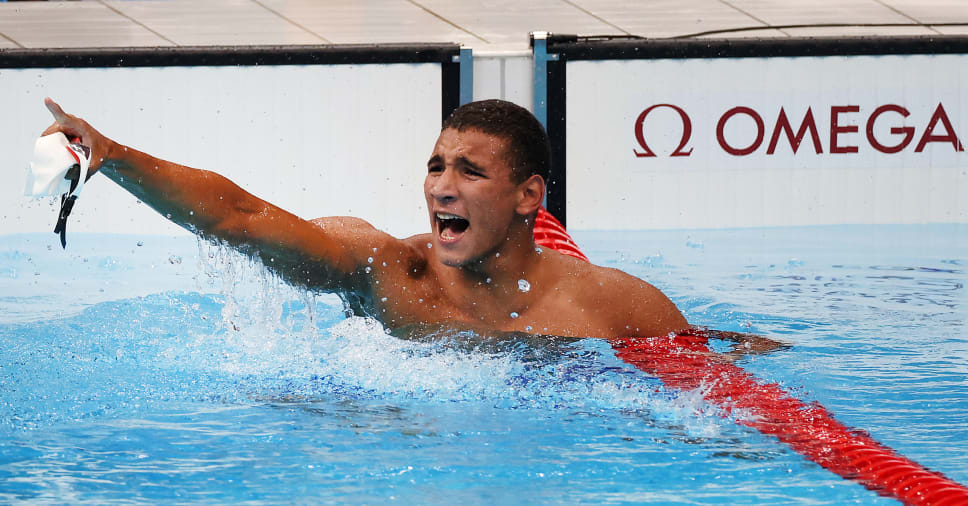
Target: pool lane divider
x,y
685,362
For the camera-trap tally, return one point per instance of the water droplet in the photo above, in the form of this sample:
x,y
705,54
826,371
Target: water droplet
x,y
374,250
384,264
368,269
488,281
524,286
174,259
420,301
383,299
429,245
141,243
514,315
369,260
168,215
528,328
497,254
538,250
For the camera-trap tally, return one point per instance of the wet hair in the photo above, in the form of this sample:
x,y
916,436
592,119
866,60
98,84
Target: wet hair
x,y
529,151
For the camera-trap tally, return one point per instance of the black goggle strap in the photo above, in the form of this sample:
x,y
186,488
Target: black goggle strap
x,y
67,204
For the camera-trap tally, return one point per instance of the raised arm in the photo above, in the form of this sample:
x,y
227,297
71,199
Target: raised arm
x,y
326,255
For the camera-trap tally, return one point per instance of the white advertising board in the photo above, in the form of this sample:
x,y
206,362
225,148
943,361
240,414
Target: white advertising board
x,y
779,141
317,140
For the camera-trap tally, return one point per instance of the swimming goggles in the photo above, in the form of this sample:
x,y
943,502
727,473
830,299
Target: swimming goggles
x,y
59,167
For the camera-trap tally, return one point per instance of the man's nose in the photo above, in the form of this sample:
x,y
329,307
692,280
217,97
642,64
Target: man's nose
x,y
443,189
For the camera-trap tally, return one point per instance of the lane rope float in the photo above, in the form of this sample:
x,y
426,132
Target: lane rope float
x,y
685,362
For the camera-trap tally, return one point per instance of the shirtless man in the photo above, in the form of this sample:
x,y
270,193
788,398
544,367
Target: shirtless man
x,y
485,183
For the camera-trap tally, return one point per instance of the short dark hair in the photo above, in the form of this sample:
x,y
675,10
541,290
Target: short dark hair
x,y
529,150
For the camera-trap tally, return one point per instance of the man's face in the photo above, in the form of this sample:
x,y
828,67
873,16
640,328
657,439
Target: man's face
x,y
470,195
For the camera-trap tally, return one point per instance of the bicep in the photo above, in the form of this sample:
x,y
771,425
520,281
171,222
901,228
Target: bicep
x,y
325,254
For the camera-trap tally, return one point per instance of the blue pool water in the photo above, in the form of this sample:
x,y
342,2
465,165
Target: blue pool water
x,y
156,370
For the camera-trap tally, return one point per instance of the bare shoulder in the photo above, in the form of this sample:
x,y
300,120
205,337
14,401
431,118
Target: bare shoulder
x,y
629,305
606,284
362,241
355,232
348,223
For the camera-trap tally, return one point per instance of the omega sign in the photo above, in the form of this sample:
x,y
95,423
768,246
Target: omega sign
x,y
820,137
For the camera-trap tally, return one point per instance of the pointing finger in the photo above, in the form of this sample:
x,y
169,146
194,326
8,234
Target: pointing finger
x,y
59,115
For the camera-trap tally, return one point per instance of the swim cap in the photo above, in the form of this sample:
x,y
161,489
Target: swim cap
x,y
60,168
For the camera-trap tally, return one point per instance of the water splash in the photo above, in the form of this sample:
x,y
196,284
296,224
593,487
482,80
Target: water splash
x,y
248,337
254,296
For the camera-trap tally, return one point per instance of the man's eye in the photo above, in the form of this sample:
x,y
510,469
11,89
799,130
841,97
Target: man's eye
x,y
473,173
433,169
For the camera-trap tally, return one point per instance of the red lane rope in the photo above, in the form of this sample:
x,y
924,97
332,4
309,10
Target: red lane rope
x,y
550,233
685,362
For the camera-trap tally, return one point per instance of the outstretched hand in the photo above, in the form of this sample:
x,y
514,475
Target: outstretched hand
x,y
76,128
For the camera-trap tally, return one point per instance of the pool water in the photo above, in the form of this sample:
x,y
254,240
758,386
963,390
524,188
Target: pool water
x,y
148,370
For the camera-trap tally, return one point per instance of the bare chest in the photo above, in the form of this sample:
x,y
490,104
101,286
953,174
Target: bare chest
x,y
553,312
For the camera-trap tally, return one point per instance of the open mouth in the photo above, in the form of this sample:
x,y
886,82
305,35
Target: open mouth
x,y
451,226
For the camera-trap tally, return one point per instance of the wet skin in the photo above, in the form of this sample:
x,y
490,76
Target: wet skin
x,y
465,273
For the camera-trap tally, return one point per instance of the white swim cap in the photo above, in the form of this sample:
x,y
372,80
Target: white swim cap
x,y
48,174
58,168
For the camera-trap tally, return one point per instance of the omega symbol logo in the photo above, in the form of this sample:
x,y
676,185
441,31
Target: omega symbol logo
x,y
640,134
886,131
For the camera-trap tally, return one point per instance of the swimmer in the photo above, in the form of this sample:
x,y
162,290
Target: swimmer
x,y
477,269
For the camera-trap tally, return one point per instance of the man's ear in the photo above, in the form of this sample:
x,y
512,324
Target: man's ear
x,y
531,195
